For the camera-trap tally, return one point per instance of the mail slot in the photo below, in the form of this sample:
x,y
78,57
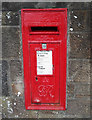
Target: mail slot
x,y
44,40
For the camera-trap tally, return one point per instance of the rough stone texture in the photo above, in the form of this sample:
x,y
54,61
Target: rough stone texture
x,y
16,70
78,82
80,20
13,107
47,114
79,45
5,87
70,90
79,71
78,108
82,90
0,78
10,42
80,6
10,18
91,22
12,6
0,18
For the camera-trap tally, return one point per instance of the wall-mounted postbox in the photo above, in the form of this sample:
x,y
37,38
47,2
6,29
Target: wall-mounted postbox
x,y
44,36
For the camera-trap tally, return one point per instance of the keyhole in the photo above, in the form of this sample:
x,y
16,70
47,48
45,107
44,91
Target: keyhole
x,y
53,67
36,79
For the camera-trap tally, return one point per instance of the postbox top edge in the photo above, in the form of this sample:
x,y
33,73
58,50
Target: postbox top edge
x,y
46,9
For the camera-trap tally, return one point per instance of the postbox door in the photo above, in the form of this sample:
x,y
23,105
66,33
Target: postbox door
x,y
44,73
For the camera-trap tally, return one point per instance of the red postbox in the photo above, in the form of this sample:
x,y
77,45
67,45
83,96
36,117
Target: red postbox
x,y
44,36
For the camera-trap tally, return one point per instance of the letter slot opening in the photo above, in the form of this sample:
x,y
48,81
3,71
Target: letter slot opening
x,y
44,30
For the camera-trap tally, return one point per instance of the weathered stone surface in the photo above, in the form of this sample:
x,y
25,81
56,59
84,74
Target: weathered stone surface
x,y
0,108
78,108
10,42
48,114
79,6
91,23
70,90
17,82
79,71
0,5
79,45
10,18
14,107
16,6
45,5
82,90
17,88
16,70
0,78
80,20
0,18
19,5
5,87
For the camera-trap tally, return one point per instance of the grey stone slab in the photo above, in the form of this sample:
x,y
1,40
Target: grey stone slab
x,y
5,86
45,5
79,6
82,90
16,70
10,42
91,22
79,71
16,6
80,45
78,108
0,18
10,18
79,20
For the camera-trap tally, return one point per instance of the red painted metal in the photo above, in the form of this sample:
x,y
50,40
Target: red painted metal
x,y
48,26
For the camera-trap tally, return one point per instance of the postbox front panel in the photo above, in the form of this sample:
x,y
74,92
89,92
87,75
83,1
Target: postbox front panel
x,y
44,36
45,73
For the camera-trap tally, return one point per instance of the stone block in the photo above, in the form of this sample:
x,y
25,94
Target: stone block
x,y
10,42
82,90
79,71
16,6
79,6
10,18
79,20
78,108
80,46
5,86
16,71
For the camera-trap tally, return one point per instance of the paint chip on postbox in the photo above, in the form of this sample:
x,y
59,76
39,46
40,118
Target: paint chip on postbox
x,y
44,63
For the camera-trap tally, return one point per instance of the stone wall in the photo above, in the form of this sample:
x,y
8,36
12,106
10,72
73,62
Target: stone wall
x,y
78,81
